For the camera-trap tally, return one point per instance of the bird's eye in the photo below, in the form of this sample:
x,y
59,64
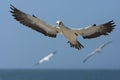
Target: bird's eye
x,y
60,23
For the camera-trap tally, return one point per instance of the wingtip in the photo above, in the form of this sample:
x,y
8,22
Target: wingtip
x,y
109,42
55,52
112,22
11,6
83,61
36,64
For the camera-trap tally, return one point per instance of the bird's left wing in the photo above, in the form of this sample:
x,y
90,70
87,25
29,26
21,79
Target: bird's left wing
x,y
34,23
95,30
89,56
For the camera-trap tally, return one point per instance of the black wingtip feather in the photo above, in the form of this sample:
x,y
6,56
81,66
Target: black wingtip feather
x,y
12,7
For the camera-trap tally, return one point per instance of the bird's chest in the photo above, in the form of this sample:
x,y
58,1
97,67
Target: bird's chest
x,y
69,34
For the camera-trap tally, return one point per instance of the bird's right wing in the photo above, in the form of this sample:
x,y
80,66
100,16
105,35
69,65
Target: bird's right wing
x,y
34,23
105,44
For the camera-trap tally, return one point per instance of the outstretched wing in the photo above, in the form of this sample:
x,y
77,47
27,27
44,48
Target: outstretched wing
x,y
105,44
89,56
96,30
34,23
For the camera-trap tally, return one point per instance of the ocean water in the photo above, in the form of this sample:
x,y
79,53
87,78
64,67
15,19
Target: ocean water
x,y
31,74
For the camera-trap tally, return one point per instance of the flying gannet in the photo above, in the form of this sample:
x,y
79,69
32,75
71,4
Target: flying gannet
x,y
97,50
46,58
39,25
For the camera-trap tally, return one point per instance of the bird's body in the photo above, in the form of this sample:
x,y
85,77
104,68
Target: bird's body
x,y
97,50
70,35
37,24
46,58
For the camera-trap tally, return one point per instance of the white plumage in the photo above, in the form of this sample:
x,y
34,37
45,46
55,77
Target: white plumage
x,y
97,50
46,58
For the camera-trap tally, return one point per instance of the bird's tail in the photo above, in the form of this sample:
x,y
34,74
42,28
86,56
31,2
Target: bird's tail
x,y
77,45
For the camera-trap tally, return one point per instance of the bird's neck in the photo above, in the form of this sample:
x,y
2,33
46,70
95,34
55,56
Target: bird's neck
x,y
62,25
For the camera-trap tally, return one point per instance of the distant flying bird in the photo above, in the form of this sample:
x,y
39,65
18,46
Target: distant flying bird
x,y
39,25
98,50
46,58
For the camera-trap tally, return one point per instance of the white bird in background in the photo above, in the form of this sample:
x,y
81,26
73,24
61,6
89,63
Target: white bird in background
x,y
39,25
98,50
46,58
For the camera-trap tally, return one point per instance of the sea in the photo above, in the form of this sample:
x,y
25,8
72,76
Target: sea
x,y
58,74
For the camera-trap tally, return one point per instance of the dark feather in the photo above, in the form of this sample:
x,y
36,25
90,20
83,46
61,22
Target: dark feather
x,y
105,30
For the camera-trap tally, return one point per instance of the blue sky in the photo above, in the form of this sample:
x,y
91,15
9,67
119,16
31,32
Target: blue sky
x,y
21,47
